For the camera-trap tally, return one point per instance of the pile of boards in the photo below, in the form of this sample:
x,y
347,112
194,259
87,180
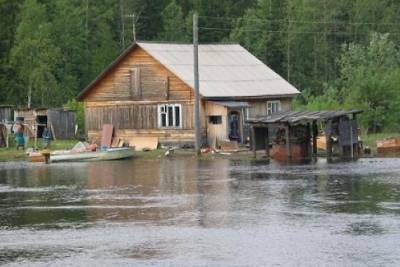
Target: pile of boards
x,y
388,146
139,143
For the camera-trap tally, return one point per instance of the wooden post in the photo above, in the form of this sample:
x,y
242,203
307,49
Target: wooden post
x,y
288,143
36,132
309,138
328,141
314,138
197,125
351,141
266,136
356,130
253,141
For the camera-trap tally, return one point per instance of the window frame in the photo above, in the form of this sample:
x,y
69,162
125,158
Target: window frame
x,y
270,106
164,109
215,119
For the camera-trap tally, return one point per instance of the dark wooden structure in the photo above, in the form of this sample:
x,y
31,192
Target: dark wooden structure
x,y
6,113
61,121
295,134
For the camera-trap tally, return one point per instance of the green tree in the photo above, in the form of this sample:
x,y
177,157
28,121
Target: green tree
x,y
262,30
68,32
370,78
9,11
174,28
34,55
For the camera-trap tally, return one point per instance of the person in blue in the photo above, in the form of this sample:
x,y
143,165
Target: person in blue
x,y
19,135
47,137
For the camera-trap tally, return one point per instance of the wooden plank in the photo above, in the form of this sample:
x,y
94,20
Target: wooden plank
x,y
253,141
144,142
106,135
267,142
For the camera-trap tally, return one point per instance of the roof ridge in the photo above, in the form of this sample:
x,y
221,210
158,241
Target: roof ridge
x,y
184,43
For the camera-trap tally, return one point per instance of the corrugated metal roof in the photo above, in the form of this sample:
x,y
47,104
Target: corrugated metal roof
x,y
293,117
225,70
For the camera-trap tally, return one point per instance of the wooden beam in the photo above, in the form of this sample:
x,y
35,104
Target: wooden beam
x,y
253,141
167,88
138,87
266,142
288,143
329,140
314,139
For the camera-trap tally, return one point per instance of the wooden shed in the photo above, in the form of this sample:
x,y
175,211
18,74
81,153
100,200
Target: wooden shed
x,y
293,134
61,121
148,92
6,113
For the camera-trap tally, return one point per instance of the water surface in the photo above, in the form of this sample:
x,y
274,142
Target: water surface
x,y
184,212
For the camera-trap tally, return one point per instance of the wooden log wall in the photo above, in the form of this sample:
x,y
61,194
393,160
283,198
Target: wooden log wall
x,y
259,107
132,116
139,77
63,123
6,114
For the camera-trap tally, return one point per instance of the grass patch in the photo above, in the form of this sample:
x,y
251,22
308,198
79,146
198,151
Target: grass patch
x,y
11,153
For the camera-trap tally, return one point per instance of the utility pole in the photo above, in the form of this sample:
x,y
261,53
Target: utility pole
x,y
197,126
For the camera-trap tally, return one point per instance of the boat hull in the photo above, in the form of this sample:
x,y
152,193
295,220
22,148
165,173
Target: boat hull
x,y
110,154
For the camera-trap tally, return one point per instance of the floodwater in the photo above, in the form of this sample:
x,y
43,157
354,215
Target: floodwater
x,y
184,212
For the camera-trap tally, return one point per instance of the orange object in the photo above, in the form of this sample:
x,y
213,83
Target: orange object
x,y
391,145
279,152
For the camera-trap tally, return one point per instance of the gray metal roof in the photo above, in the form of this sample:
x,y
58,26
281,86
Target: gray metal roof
x,y
293,117
225,70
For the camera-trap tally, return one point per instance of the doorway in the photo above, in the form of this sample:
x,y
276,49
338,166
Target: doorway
x,y
235,126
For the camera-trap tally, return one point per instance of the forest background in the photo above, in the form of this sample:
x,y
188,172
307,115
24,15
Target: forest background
x,y
341,54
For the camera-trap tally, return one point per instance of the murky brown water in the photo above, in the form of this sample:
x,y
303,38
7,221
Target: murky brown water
x,y
184,212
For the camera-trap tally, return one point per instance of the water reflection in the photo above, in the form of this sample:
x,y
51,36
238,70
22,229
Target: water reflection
x,y
165,211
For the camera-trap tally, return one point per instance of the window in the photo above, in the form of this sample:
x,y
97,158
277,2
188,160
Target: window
x,y
273,106
215,119
170,116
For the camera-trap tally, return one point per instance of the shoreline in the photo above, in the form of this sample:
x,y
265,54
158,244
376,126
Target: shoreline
x,y
11,154
20,156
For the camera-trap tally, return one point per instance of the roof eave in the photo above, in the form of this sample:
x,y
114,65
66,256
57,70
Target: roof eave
x,y
251,97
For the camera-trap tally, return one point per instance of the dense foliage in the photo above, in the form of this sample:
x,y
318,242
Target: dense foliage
x,y
339,53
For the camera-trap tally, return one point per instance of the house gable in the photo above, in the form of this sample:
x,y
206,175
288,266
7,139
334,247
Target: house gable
x,y
137,76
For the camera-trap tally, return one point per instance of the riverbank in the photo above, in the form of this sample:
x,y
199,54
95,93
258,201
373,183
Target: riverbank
x,y
12,154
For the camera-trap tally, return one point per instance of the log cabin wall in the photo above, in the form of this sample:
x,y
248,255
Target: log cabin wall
x,y
128,97
259,107
139,77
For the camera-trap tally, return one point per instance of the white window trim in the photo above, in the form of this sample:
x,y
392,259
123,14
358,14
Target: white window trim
x,y
270,106
167,117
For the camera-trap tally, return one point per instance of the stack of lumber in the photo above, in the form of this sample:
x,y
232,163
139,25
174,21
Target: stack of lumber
x,y
388,146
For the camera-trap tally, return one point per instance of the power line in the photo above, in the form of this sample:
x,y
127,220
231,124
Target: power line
x,y
303,22
285,31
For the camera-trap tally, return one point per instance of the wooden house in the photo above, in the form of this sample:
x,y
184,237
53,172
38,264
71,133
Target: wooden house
x,y
148,92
